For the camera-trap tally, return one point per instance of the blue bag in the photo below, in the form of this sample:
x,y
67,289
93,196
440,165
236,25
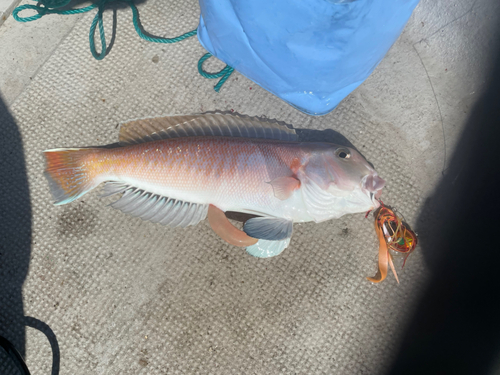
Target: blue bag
x,y
310,53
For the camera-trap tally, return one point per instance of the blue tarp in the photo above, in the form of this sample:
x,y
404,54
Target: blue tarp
x,y
310,53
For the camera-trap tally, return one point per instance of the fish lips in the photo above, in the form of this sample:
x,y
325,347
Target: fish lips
x,y
372,185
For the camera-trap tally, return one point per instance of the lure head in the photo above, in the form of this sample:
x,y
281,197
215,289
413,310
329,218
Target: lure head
x,y
346,175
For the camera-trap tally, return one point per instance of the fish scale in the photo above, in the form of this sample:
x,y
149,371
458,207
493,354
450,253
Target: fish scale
x,y
200,170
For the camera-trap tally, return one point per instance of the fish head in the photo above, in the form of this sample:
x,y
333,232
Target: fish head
x,y
345,173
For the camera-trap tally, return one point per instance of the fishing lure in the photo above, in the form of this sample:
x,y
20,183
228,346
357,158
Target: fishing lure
x,y
393,234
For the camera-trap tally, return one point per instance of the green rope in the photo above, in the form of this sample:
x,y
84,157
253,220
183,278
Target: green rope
x,y
98,19
224,73
45,7
135,13
48,9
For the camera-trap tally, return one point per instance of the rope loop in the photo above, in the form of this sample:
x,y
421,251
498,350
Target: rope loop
x,y
224,73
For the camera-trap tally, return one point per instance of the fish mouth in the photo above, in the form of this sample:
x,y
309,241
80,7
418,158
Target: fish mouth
x,y
372,185
374,200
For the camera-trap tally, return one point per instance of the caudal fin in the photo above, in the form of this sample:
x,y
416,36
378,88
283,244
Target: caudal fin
x,y
67,174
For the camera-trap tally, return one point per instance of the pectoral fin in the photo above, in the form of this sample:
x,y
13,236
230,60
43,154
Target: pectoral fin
x,y
269,228
284,187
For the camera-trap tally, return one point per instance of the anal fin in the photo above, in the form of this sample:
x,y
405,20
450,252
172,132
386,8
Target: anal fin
x,y
154,207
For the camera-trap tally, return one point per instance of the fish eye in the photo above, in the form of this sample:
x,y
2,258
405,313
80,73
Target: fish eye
x,y
343,153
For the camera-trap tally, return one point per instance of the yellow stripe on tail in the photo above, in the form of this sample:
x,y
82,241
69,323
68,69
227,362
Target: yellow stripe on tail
x,y
67,174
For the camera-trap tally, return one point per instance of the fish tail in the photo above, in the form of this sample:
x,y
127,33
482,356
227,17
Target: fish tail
x,y
68,176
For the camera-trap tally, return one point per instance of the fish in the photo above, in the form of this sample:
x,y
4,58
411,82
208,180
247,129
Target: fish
x,y
177,170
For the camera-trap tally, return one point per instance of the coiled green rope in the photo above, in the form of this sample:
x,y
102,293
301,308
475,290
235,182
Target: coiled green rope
x,y
45,7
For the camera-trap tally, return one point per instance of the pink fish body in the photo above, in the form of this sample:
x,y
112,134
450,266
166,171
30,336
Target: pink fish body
x,y
171,169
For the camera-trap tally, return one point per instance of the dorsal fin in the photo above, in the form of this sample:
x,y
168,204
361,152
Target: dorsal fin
x,y
221,124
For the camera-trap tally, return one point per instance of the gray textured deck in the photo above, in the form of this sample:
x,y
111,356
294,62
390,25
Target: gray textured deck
x,y
120,296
